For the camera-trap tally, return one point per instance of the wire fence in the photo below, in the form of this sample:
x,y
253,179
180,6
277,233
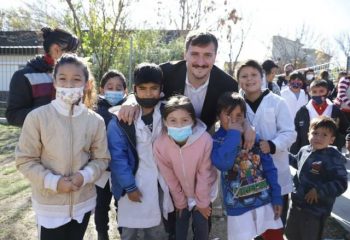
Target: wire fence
x,y
13,58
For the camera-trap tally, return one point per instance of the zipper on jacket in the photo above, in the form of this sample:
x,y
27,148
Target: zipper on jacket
x,y
71,158
183,168
127,135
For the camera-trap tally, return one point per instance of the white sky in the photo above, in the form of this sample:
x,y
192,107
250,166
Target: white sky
x,y
325,18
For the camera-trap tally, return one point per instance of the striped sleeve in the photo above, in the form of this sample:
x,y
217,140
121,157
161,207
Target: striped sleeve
x,y
343,86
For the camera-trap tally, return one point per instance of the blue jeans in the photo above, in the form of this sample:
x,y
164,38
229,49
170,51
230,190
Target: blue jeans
x,y
200,224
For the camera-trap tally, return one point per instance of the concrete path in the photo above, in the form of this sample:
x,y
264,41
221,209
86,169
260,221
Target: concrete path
x,y
341,209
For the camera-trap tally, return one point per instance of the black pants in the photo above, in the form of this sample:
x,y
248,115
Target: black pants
x,y
302,225
285,209
199,224
170,224
69,231
104,197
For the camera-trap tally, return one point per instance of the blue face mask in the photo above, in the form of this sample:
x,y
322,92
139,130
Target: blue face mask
x,y
318,99
113,97
180,134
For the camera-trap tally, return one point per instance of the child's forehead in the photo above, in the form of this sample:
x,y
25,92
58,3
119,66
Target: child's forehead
x,y
149,84
70,68
321,129
319,88
115,79
231,108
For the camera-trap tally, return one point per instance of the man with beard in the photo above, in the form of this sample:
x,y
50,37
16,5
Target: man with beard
x,y
197,77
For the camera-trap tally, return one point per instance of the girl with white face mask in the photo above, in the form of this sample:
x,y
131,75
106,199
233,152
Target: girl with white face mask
x,y
183,157
62,151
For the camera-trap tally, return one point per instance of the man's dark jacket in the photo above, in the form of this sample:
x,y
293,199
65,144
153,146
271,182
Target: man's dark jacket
x,y
219,83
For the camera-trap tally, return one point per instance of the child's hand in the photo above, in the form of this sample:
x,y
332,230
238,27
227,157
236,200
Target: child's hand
x,y
277,209
311,197
206,212
77,179
128,113
264,146
135,196
64,185
237,125
249,135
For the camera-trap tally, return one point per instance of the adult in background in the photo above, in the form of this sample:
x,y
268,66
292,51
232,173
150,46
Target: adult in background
x,y
334,93
282,81
294,95
270,69
325,76
32,86
343,97
309,75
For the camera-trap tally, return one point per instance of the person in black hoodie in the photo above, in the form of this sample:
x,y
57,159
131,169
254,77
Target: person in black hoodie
x,y
112,91
32,86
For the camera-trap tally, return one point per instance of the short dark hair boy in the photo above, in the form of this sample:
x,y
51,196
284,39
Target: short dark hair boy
x,y
318,105
321,177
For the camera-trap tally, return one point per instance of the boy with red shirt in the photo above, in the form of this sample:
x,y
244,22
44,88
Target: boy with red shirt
x,y
318,105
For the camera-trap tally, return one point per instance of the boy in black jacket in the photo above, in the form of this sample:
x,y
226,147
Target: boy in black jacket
x,y
319,105
321,177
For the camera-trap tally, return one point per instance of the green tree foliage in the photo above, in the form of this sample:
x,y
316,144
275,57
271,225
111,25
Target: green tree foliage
x,y
148,46
101,27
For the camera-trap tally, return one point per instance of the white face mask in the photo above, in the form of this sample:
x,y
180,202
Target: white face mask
x,y
69,96
309,77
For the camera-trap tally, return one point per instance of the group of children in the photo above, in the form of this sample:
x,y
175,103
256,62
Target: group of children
x,y
166,161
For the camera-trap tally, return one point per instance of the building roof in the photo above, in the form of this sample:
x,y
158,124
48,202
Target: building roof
x,y
20,38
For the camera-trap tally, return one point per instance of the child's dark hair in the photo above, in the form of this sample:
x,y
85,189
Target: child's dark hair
x,y
228,101
253,64
268,65
296,75
324,75
319,83
309,70
67,41
179,102
148,73
196,38
323,122
111,74
71,59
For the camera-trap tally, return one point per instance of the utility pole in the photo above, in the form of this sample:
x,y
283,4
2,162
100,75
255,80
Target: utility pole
x,y
130,80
